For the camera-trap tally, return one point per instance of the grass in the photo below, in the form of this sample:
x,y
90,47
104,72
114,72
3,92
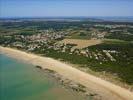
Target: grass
x,y
77,37
115,41
79,34
120,36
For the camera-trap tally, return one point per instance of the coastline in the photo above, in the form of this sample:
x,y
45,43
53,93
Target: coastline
x,y
23,81
107,90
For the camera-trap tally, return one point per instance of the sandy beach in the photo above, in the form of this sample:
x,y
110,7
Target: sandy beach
x,y
107,90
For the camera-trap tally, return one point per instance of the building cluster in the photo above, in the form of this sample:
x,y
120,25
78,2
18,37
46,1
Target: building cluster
x,y
30,42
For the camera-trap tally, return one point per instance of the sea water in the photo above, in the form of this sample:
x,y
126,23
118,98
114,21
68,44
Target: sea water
x,y
23,81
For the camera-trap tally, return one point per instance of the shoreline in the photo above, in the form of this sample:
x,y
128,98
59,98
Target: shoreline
x,y
70,85
106,90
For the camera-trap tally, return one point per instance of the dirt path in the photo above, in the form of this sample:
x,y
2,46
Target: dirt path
x,y
107,90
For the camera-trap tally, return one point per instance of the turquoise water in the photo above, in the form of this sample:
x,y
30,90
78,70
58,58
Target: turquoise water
x,y
22,81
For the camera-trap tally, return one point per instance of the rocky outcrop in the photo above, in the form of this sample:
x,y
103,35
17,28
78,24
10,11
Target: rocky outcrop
x,y
69,84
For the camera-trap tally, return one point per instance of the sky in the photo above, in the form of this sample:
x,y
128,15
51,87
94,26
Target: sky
x,y
54,8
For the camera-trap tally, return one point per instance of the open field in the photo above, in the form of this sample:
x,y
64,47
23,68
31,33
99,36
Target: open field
x,y
115,41
81,43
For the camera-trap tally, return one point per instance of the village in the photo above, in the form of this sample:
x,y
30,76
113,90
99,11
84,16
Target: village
x,y
68,41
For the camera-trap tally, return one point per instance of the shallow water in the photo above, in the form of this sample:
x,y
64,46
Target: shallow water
x,y
22,81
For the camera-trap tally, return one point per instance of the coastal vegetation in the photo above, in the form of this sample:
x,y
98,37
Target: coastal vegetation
x,y
122,67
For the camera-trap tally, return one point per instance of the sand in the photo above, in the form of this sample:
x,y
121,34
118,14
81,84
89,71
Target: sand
x,y
107,90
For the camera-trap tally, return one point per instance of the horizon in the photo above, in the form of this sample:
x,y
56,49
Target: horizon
x,y
76,18
68,17
65,8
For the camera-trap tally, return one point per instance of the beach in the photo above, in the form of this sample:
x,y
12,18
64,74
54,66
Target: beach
x,y
23,81
106,90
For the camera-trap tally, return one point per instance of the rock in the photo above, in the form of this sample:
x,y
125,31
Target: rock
x,y
49,70
39,67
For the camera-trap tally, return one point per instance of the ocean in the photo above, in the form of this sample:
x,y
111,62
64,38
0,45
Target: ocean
x,y
23,81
